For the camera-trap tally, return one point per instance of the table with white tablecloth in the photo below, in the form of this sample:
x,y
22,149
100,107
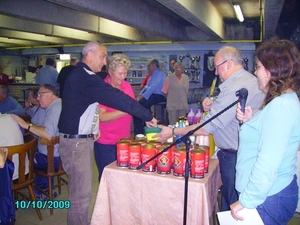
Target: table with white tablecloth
x,y
136,197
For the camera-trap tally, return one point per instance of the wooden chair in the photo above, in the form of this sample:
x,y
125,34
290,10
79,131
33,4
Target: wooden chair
x,y
50,172
24,180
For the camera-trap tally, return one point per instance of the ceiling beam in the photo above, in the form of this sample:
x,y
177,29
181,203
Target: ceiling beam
x,y
19,42
203,16
34,37
138,14
66,17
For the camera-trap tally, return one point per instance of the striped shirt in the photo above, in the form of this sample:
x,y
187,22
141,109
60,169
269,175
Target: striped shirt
x,y
225,127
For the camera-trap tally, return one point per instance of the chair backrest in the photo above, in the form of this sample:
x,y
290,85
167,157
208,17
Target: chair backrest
x,y
23,150
50,154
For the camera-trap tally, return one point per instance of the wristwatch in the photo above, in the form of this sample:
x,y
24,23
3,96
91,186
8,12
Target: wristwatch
x,y
29,125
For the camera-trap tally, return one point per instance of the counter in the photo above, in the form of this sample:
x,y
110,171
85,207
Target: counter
x,y
17,90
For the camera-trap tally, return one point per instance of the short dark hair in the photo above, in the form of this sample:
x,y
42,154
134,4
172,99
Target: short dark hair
x,y
50,61
50,88
155,62
35,92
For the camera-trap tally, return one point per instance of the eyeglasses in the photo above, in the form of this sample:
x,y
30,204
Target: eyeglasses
x,y
41,93
256,67
217,66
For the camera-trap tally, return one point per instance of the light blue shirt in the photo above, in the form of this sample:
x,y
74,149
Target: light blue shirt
x,y
267,155
37,115
47,75
11,106
50,124
154,84
225,127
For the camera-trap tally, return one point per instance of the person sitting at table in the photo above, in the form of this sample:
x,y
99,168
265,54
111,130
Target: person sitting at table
x,y
33,109
114,124
9,104
49,100
10,135
176,88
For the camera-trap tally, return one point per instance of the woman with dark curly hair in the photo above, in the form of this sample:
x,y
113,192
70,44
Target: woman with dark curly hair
x,y
266,161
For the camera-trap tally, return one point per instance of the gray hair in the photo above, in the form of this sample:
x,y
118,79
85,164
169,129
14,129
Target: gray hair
x,y
231,53
118,60
90,46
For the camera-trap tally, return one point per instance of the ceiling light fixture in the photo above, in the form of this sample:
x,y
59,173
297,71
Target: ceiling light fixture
x,y
238,13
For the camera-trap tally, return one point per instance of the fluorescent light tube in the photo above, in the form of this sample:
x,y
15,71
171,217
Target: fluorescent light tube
x,y
238,13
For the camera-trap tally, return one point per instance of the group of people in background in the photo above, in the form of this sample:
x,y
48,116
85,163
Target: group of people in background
x,y
257,160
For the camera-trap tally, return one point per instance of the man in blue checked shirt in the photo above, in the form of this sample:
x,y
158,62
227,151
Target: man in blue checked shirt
x,y
151,93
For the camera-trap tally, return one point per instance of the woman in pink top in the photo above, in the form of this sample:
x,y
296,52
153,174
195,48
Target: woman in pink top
x,y
114,124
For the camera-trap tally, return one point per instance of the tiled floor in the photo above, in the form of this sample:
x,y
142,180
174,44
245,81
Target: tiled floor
x,y
29,216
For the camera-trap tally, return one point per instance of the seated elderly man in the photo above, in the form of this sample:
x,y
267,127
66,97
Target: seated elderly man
x,y
9,104
33,108
49,100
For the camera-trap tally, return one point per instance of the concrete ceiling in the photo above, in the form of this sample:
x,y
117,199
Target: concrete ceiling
x,y
43,23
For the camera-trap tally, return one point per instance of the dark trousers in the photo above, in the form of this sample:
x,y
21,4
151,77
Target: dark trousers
x,y
153,99
41,163
227,163
104,155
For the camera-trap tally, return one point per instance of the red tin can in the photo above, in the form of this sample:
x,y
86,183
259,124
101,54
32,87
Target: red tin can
x,y
134,155
206,162
164,161
179,162
130,140
197,163
122,153
148,151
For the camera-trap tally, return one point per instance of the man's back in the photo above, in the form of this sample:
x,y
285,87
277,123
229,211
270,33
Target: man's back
x,y
47,75
62,76
10,135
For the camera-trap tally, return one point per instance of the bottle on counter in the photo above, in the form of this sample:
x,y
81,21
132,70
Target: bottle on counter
x,y
191,116
198,116
179,124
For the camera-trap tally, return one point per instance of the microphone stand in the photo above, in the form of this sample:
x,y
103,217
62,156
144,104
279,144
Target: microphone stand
x,y
186,140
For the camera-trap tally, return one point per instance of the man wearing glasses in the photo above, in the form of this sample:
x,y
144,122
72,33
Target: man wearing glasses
x,y
49,100
229,67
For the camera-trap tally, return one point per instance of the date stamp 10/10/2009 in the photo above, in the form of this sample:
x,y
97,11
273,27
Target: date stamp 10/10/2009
x,y
47,204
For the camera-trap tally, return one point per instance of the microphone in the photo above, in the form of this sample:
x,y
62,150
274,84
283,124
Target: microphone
x,y
242,94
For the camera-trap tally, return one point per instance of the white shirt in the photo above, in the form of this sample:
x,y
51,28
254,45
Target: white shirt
x,y
10,135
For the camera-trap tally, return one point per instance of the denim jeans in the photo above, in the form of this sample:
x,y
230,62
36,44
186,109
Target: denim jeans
x,y
280,208
227,163
41,163
104,155
153,99
76,156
